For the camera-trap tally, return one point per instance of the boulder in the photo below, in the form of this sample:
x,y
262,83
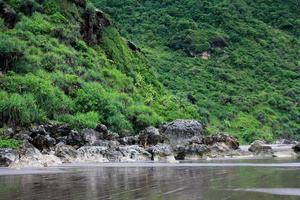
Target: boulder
x,y
220,147
43,142
75,139
150,136
91,154
7,156
180,131
129,140
106,143
260,147
8,14
90,136
134,153
101,128
296,148
227,139
190,152
32,157
285,141
161,152
57,130
65,152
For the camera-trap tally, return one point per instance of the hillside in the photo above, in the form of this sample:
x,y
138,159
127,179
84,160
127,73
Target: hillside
x,y
64,61
237,61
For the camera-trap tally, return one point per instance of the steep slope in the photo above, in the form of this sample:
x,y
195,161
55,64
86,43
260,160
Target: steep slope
x,y
63,60
237,61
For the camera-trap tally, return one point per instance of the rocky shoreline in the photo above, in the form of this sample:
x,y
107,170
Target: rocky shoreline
x,y
52,145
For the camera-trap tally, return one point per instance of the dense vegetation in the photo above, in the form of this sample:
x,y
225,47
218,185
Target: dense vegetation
x,y
237,61
232,64
63,61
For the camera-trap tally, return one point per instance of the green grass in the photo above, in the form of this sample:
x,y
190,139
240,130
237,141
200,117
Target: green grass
x,y
10,143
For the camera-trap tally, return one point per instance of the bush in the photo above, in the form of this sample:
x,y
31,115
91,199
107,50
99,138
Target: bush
x,y
18,109
81,120
10,143
142,116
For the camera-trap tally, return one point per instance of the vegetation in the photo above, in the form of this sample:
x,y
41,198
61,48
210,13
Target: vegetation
x,y
64,61
10,143
248,84
53,69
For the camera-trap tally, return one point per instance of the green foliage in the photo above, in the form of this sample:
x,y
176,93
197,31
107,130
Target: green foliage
x,y
248,85
18,109
81,120
10,143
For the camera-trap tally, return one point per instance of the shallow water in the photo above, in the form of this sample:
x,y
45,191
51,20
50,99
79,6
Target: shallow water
x,y
214,180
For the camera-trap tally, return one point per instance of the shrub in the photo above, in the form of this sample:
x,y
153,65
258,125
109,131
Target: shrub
x,y
18,109
10,143
81,120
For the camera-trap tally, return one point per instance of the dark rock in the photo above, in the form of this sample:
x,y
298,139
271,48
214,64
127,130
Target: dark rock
x,y
92,154
42,142
150,136
27,7
285,141
219,43
260,147
23,136
134,153
101,128
110,136
94,23
296,148
8,14
81,3
38,130
161,152
180,131
90,136
133,46
65,152
106,143
57,130
191,98
75,139
8,156
191,151
230,141
129,140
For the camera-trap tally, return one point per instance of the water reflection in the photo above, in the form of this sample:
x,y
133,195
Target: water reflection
x,y
155,183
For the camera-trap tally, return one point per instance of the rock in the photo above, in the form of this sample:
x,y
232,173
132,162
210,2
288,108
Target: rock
x,y
133,46
220,147
296,148
190,152
94,23
43,142
81,3
101,128
134,153
38,130
260,147
179,131
90,136
150,136
285,141
32,157
161,152
228,140
66,153
56,130
91,154
219,42
75,139
106,143
111,136
7,156
23,136
8,14
129,140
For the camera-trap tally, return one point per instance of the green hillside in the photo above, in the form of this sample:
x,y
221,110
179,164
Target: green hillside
x,y
234,65
64,61
238,61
